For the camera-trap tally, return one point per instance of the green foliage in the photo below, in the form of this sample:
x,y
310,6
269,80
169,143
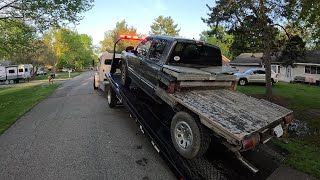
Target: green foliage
x,y
15,37
39,54
70,48
17,101
44,14
164,26
110,37
302,156
293,51
220,39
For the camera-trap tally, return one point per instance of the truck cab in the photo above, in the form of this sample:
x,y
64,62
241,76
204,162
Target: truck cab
x,y
102,68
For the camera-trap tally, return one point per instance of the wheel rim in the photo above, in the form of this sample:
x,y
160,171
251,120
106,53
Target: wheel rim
x,y
109,96
242,82
183,135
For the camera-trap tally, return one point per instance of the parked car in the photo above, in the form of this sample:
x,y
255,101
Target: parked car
x,y
255,75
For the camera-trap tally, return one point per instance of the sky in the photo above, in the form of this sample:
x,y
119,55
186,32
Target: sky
x,y
141,13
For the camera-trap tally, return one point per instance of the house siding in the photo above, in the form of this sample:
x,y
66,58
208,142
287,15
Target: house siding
x,y
287,74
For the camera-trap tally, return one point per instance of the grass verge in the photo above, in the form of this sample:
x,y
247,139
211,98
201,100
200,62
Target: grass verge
x,y
63,75
304,100
16,101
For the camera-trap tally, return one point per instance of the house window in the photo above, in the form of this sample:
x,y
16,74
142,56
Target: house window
x,y
312,70
307,70
20,70
26,70
11,71
278,69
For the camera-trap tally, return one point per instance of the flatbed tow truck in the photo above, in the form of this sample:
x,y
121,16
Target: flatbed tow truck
x,y
154,124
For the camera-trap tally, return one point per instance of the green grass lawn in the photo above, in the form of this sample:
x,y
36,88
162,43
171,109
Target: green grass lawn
x,y
62,75
304,100
16,101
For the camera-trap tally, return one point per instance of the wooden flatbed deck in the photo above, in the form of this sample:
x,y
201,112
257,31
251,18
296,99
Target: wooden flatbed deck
x,y
231,113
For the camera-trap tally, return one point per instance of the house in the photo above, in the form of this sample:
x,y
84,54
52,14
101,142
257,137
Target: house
x,y
308,68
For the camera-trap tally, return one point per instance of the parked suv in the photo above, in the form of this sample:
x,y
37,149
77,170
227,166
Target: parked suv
x,y
255,75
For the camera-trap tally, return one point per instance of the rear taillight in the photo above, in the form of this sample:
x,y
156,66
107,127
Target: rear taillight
x,y
250,142
171,87
288,119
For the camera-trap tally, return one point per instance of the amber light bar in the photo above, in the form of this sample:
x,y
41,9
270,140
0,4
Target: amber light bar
x,y
130,37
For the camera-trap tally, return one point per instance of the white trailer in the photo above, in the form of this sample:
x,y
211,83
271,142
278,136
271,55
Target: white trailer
x,y
24,71
11,74
103,67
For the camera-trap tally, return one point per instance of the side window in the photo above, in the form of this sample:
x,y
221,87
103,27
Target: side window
x,y
157,49
261,72
11,71
20,70
107,61
144,47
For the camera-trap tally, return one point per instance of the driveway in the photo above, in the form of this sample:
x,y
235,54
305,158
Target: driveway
x,y
74,135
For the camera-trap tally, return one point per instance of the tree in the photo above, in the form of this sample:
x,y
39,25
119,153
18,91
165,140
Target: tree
x,y
111,36
44,14
257,19
38,55
15,37
164,26
220,39
72,49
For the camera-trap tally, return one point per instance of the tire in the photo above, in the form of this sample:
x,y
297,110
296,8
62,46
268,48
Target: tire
x,y
7,82
272,82
112,98
243,82
94,83
125,80
190,138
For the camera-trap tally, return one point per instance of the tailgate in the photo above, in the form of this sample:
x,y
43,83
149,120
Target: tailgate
x,y
232,113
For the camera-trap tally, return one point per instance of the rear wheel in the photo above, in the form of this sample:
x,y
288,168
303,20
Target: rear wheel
x,y
272,82
243,82
94,83
112,98
190,138
125,80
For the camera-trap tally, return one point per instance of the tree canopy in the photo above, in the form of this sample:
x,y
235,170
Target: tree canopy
x,y
70,48
44,14
111,36
164,26
222,39
257,23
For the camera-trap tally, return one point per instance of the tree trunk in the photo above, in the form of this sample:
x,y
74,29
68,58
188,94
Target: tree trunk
x,y
267,50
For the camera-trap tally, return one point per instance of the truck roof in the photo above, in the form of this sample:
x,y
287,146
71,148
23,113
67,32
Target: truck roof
x,y
179,39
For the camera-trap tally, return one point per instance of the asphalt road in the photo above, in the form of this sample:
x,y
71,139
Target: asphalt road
x,y
74,135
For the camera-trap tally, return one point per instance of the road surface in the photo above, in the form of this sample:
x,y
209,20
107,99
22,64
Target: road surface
x,y
74,135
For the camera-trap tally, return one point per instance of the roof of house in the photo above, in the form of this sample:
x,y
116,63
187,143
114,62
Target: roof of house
x,y
311,57
248,59
256,58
